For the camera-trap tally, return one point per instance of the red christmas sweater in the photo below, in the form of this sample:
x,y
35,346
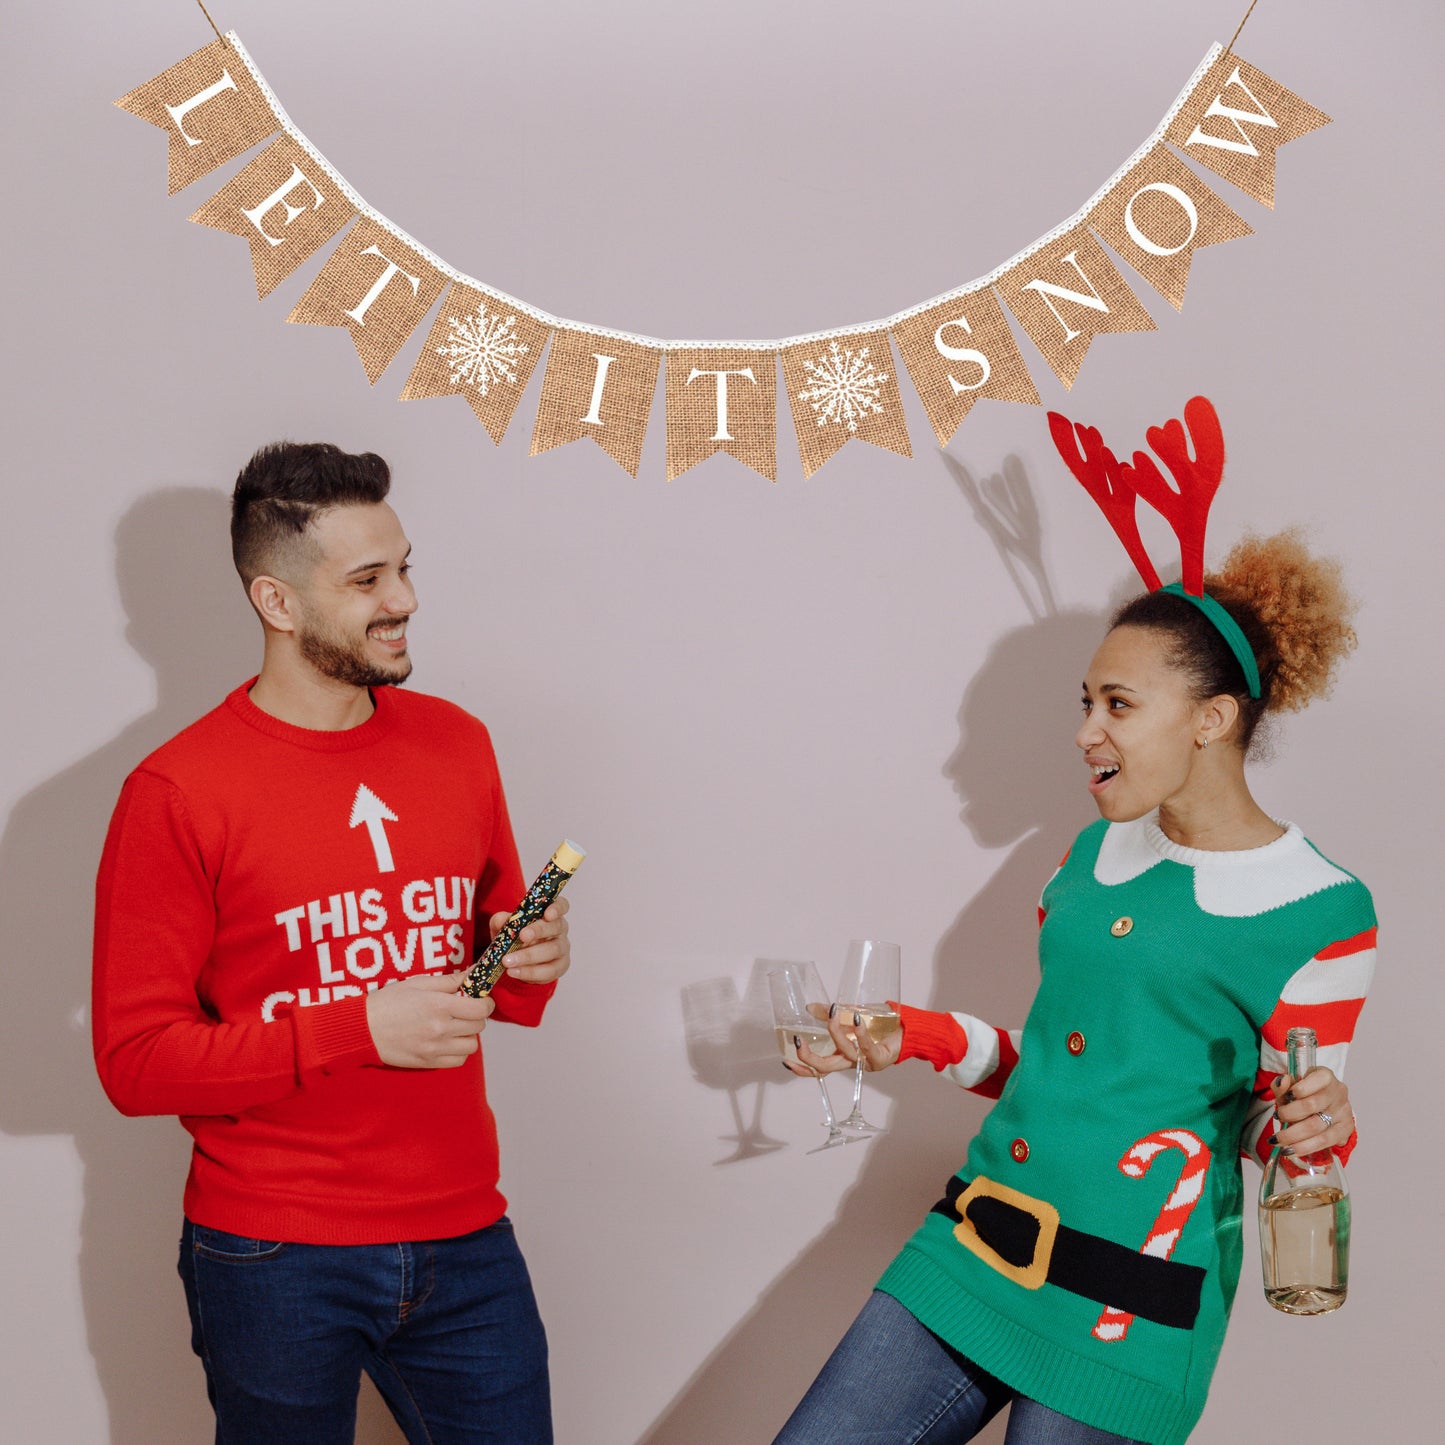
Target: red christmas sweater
x,y
258,881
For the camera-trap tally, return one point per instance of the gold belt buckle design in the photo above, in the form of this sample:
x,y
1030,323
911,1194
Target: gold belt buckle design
x,y
1031,1275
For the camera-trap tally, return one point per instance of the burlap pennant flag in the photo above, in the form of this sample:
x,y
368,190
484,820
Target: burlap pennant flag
x,y
1066,294
722,400
598,387
209,106
481,348
840,389
1158,215
284,204
1236,120
377,286
959,352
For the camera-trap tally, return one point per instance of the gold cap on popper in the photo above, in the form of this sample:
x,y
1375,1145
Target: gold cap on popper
x,y
568,856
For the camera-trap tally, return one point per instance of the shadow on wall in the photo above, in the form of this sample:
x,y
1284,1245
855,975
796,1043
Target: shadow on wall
x,y
731,1047
188,619
1021,786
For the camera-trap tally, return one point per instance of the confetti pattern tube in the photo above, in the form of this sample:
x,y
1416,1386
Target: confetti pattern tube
x,y
482,977
1169,1225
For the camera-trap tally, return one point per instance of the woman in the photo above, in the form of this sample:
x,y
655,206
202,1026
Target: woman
x,y
1182,934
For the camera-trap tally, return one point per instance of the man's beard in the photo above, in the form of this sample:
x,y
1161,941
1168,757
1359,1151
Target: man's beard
x,y
345,660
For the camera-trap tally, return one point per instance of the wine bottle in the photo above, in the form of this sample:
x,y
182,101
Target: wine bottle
x,y
1304,1216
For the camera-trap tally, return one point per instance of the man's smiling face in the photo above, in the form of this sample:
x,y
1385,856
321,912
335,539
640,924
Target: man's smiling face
x,y
352,609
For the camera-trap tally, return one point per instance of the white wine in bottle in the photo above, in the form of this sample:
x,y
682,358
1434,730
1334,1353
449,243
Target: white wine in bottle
x,y
1304,1217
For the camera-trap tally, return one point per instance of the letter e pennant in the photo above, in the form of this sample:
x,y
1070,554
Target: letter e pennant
x,y
284,204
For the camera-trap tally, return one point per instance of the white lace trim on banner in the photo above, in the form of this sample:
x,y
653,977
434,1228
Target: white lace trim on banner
x,y
563,324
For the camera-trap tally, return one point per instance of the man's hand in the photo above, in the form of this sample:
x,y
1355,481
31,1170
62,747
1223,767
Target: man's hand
x,y
424,1023
542,951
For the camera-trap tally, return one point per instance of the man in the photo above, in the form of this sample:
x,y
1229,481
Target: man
x,y
288,890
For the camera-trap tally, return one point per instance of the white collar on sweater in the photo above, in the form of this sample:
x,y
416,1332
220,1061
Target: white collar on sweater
x,y
1236,884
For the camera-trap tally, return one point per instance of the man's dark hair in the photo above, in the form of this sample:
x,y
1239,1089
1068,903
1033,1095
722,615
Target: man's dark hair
x,y
283,488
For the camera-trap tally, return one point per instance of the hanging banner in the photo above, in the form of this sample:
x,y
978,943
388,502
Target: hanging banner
x,y
210,107
377,287
1158,216
285,205
482,349
722,401
1066,294
1235,121
959,352
959,348
600,388
839,392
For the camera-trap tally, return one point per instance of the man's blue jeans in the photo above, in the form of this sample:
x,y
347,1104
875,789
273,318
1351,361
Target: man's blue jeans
x,y
893,1382
447,1328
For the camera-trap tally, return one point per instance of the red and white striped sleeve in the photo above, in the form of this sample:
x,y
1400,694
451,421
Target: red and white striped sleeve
x,y
970,1053
1326,995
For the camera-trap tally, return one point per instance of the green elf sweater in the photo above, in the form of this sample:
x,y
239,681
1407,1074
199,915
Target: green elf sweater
x,y
1088,1251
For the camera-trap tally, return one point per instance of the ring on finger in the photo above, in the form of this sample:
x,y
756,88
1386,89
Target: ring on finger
x,y
1324,1119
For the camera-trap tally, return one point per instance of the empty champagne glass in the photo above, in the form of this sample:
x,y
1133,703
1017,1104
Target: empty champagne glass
x,y
792,988
870,980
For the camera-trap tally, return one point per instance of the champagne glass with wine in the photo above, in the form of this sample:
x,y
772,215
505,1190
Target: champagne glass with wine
x,y
870,980
792,988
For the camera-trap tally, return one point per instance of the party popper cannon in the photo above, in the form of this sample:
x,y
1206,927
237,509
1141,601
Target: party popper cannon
x,y
482,976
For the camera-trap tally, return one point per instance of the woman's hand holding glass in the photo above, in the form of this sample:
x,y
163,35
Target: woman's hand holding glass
x,y
853,1042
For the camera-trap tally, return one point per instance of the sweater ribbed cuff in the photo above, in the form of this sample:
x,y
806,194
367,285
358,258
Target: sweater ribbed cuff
x,y
932,1036
331,1037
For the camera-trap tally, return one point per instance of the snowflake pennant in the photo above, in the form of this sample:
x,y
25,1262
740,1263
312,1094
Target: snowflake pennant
x,y
843,387
483,350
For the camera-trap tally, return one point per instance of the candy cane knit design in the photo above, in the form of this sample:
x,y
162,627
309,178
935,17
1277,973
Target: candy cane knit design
x,y
1169,1225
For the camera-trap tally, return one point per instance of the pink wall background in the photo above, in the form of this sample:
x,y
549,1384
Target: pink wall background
x,y
778,716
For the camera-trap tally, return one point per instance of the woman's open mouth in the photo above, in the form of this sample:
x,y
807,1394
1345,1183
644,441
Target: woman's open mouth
x,y
1101,774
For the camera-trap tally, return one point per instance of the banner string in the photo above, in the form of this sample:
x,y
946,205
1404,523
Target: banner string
x,y
222,38
1227,48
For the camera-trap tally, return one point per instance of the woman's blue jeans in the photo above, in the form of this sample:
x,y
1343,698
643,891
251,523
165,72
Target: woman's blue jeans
x,y
893,1382
447,1328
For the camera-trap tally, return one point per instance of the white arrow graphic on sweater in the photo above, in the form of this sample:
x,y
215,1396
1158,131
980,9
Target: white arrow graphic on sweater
x,y
369,809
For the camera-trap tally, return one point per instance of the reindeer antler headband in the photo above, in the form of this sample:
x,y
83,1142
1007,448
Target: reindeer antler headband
x,y
1115,486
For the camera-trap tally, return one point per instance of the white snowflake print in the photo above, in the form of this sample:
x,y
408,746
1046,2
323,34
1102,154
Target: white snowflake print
x,y
843,387
483,350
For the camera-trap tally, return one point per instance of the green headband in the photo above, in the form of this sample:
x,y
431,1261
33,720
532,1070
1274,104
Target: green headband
x,y
1228,629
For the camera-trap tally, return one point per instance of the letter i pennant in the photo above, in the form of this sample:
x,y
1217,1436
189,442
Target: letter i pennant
x,y
209,106
598,387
